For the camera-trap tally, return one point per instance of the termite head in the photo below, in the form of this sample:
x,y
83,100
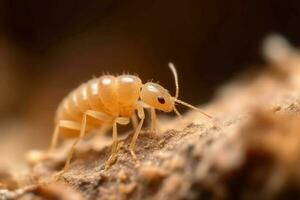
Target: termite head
x,y
159,98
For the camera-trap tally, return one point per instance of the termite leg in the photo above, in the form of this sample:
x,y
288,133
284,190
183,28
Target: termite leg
x,y
153,127
119,120
114,147
89,113
141,115
134,121
62,124
114,150
54,138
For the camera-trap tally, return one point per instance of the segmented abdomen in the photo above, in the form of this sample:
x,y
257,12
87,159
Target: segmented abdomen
x,y
108,94
83,98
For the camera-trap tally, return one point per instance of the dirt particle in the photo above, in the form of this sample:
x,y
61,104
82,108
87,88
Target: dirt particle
x,y
127,188
151,174
7,181
276,108
122,175
57,191
174,163
170,186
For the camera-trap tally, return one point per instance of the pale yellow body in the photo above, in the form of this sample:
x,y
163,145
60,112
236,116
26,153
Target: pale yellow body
x,y
110,95
111,100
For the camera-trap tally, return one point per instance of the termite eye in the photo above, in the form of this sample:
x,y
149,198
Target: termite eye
x,y
161,100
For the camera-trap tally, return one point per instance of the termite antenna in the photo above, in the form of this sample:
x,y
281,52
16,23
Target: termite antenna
x,y
192,107
173,69
177,112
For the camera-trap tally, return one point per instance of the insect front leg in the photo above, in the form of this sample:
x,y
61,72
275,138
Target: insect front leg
x,y
141,115
153,127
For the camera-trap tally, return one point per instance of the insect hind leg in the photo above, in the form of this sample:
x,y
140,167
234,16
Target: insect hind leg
x,y
35,156
62,124
89,113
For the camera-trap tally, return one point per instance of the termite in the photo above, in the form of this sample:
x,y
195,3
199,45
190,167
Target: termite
x,y
111,100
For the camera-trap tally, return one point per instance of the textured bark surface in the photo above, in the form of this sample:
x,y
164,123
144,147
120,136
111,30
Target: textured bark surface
x,y
250,150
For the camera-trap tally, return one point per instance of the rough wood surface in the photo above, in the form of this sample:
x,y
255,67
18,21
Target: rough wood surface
x,y
250,150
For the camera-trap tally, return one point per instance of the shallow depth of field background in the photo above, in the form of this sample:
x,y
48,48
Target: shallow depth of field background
x,y
49,47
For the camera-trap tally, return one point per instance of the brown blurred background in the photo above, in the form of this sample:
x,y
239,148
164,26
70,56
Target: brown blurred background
x,y
48,47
